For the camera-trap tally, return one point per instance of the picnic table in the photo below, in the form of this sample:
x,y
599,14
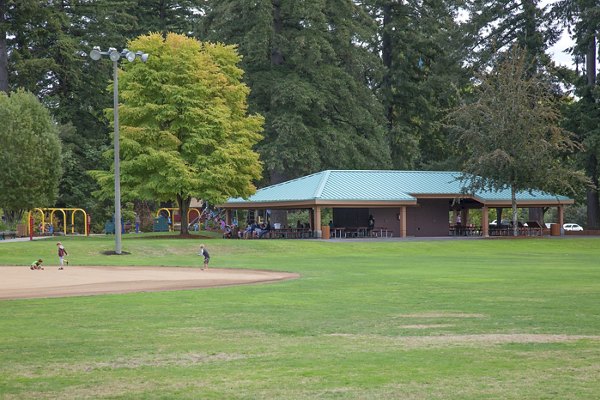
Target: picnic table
x,y
469,230
381,232
291,233
338,232
356,232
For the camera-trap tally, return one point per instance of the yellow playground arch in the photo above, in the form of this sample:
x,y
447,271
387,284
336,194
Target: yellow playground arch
x,y
171,212
64,212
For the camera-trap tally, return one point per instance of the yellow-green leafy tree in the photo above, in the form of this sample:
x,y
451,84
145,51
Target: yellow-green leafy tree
x,y
184,125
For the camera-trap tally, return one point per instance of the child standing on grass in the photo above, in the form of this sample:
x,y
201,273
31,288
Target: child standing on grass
x,y
37,264
204,252
61,255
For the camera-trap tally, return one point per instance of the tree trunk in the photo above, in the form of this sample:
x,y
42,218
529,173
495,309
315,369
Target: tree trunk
x,y
536,214
184,206
513,198
276,55
590,60
386,56
162,16
13,217
593,203
532,40
3,49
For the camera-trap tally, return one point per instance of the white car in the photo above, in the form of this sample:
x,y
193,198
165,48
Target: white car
x,y
504,222
572,227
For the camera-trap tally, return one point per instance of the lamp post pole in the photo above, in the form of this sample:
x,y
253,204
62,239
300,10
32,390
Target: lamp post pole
x,y
117,159
114,56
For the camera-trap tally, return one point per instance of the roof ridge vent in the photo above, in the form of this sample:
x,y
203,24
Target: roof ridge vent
x,y
322,184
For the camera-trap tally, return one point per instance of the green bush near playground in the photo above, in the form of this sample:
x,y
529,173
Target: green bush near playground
x,y
451,319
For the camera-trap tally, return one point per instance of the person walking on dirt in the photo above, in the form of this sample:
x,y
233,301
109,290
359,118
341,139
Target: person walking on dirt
x,y
61,255
204,252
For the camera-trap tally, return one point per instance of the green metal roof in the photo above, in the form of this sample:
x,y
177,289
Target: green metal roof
x,y
380,185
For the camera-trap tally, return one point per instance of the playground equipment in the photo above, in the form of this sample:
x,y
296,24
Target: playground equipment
x,y
171,214
64,212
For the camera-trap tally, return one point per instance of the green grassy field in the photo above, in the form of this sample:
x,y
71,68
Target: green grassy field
x,y
477,319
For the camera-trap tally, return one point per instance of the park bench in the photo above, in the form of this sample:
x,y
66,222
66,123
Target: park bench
x,y
8,234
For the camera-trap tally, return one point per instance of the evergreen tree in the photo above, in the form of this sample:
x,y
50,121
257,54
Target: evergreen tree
x,y
497,25
40,45
309,73
179,16
582,17
421,48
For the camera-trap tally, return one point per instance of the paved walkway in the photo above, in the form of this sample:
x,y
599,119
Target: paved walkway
x,y
26,239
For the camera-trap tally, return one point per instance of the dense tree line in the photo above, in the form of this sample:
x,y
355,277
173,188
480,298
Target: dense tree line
x,y
340,83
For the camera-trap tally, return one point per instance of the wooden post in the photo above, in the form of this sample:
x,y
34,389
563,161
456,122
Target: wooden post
x,y
485,223
561,219
403,221
317,222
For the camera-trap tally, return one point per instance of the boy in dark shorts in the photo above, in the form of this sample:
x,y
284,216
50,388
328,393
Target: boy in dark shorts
x,y
204,252
61,255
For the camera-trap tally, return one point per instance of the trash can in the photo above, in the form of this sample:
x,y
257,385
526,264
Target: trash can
x,y
160,224
325,232
109,227
554,229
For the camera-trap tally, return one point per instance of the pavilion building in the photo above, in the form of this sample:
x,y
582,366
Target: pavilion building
x,y
404,203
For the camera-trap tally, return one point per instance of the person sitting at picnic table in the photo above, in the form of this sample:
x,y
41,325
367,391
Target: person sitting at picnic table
x,y
264,230
227,232
257,230
249,232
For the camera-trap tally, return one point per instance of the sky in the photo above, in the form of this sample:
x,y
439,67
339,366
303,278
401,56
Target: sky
x,y
558,50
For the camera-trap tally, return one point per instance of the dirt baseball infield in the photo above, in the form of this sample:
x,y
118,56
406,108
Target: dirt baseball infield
x,y
21,282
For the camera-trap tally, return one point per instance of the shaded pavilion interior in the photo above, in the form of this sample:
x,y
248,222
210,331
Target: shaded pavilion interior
x,y
403,203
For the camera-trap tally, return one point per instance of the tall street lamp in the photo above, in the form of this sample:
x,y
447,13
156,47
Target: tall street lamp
x,y
114,55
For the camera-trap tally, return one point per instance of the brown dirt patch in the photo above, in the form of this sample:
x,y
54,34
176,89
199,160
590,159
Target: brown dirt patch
x,y
441,315
21,282
493,339
425,326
